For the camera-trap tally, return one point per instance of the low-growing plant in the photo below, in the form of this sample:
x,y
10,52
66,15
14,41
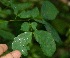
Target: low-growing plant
x,y
24,26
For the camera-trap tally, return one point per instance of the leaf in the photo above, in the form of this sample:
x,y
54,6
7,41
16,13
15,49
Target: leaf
x,y
5,13
6,2
3,24
54,33
35,12
50,29
20,7
34,25
60,25
21,42
46,42
25,26
24,14
48,10
6,35
30,13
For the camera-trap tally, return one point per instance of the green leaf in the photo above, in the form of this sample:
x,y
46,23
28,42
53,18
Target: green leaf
x,y
46,42
21,42
7,12
3,24
24,14
6,2
50,29
25,26
34,25
48,10
20,7
54,33
35,12
30,13
60,25
4,13
6,35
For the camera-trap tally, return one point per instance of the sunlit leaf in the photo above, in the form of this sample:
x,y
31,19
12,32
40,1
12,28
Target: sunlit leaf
x,y
21,42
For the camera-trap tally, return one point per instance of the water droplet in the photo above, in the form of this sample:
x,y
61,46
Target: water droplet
x,y
12,43
19,39
14,38
24,39
20,42
27,38
15,41
22,50
25,32
23,45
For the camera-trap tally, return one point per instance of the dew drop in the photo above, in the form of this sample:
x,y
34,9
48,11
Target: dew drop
x,y
25,32
23,45
19,39
12,43
15,38
20,42
22,50
24,39
15,41
27,38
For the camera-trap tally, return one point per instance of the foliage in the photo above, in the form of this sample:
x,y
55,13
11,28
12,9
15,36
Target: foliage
x,y
50,9
46,42
27,25
22,41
